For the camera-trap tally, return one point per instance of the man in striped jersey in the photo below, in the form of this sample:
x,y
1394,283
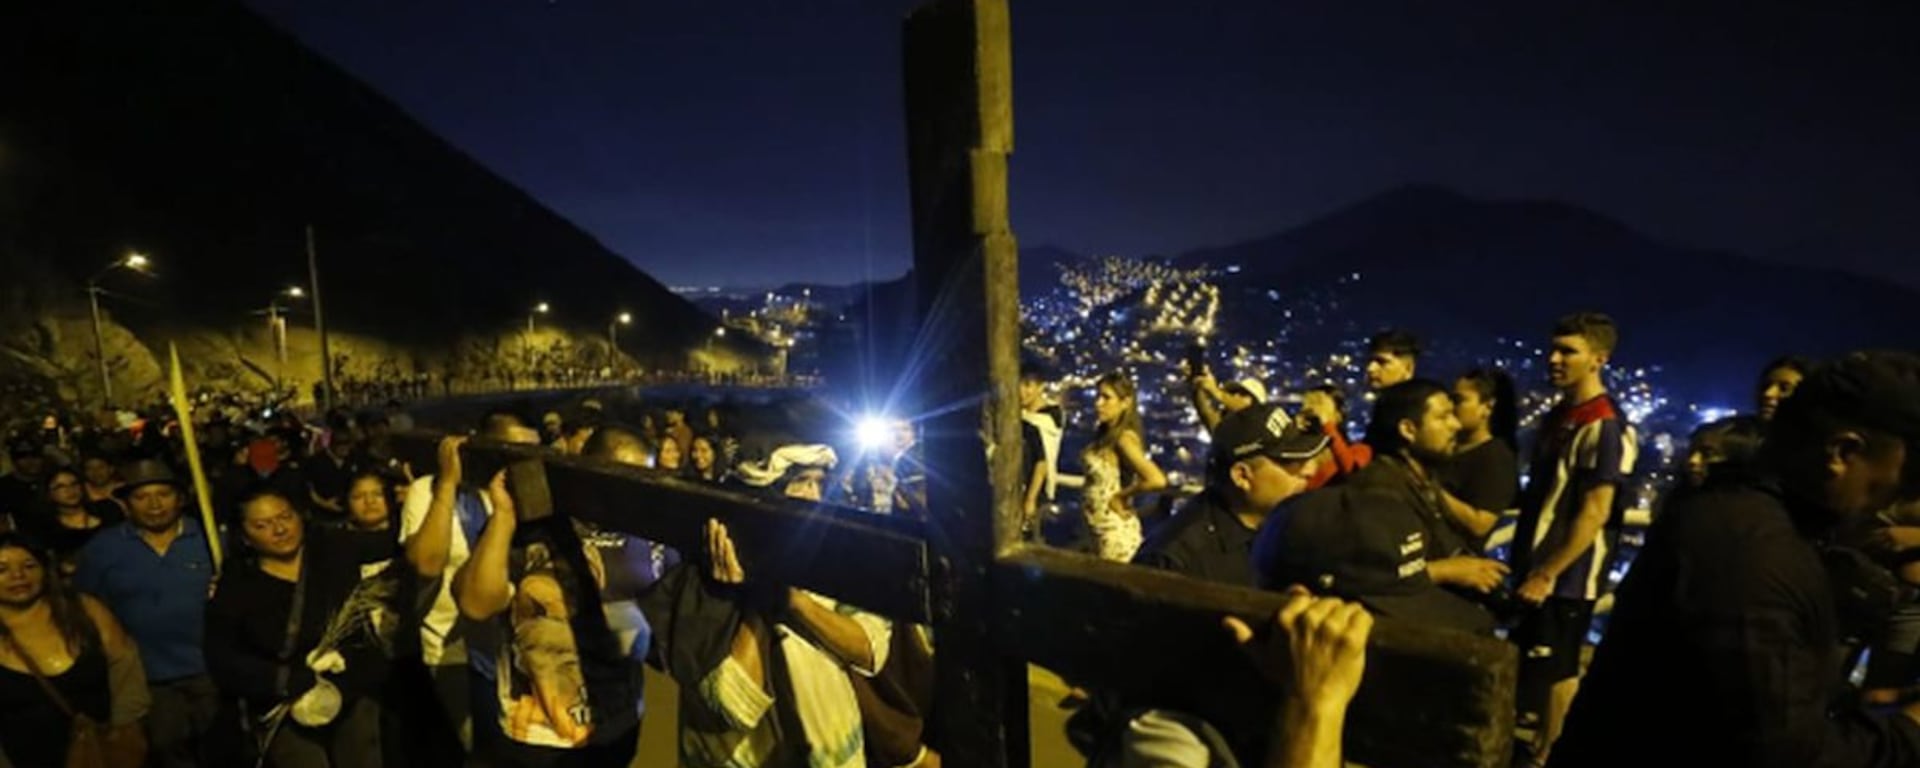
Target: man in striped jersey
x,y
1582,457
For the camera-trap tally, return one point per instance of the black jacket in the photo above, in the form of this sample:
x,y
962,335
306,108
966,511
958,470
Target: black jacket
x,y
1203,541
1725,649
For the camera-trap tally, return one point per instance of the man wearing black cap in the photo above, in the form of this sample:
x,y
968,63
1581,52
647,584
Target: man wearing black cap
x,y
1725,636
154,571
1259,459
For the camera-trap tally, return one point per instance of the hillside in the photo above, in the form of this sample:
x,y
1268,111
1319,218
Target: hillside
x,y
1455,268
194,131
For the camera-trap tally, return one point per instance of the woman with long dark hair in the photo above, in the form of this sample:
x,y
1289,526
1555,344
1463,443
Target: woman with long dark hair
x,y
1117,469
1485,470
67,520
63,657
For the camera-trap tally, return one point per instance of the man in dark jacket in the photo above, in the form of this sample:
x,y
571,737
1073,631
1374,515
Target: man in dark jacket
x,y
1725,645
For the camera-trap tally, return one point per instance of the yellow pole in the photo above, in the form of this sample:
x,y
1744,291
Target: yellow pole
x,y
183,409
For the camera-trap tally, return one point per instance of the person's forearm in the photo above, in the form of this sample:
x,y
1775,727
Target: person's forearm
x,y
1594,512
1478,522
1036,482
1205,406
428,548
1447,571
1306,736
837,634
480,588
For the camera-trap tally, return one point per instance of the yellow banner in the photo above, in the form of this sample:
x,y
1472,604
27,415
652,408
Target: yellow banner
x,y
183,408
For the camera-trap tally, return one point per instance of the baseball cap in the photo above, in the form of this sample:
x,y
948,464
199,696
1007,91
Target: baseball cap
x,y
1250,387
1879,390
1359,544
1263,430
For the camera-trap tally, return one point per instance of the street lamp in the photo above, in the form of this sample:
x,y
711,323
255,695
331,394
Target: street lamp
x,y
277,323
613,339
526,341
136,262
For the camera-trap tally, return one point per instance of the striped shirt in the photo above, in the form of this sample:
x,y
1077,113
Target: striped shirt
x,y
1580,447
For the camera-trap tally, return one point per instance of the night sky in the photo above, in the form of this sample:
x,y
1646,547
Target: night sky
x,y
761,142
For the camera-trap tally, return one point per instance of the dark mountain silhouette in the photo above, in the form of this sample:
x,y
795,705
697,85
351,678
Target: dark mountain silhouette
x,y
1454,267
197,132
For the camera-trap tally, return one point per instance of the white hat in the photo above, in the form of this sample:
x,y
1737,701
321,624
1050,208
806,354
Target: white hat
x,y
1251,387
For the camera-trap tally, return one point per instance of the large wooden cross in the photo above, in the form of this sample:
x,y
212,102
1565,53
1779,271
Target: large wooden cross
x,y
1430,698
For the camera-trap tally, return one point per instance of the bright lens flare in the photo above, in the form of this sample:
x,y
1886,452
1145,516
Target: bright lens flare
x,y
873,432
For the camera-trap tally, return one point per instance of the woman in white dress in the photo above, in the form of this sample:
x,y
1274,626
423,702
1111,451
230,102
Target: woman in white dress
x,y
1117,469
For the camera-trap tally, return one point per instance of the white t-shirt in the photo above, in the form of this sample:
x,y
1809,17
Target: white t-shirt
x,y
439,646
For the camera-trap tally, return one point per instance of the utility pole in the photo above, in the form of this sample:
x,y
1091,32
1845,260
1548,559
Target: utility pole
x,y
320,326
99,348
133,261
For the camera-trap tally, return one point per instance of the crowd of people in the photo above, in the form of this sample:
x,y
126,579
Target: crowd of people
x,y
1808,500
348,608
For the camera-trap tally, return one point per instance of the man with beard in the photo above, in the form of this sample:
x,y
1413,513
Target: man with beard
x,y
1739,601
1412,433
154,571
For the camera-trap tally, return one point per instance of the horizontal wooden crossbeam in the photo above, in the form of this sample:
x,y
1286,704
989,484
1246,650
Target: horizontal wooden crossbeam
x,y
879,563
1430,697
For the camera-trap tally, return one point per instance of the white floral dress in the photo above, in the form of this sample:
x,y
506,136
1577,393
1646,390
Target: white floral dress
x,y
1116,535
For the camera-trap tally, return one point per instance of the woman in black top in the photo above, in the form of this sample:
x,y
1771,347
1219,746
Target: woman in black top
x,y
72,642
265,626
1485,471
66,520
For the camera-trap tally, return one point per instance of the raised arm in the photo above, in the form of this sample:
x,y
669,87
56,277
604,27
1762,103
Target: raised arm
x,y
428,543
859,644
482,588
1206,399
1316,654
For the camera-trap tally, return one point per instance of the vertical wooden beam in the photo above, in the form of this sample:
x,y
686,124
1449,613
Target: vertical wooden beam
x,y
959,86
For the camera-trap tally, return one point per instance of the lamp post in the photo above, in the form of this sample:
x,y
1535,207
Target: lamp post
x,y
613,340
526,340
134,261
277,325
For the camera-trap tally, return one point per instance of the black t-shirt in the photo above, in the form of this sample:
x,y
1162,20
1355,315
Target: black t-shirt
x,y
1486,477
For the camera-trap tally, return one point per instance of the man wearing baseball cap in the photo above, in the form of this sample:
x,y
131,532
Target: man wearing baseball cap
x,y
1259,459
1724,635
